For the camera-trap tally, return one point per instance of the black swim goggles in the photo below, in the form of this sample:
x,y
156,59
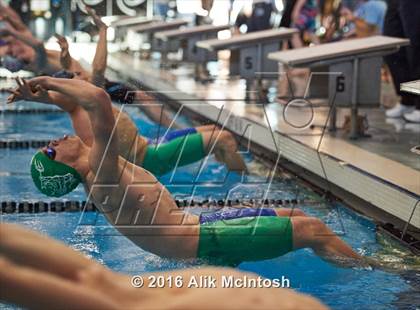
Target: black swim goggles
x,y
64,74
50,152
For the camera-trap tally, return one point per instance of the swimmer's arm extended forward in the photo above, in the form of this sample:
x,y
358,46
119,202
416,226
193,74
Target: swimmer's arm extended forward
x,y
8,14
30,90
65,58
104,153
101,55
39,273
30,40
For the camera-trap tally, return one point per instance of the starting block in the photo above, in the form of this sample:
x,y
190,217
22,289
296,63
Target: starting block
x,y
350,71
249,52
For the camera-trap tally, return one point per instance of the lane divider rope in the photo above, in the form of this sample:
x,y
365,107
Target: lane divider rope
x,y
24,144
74,206
29,111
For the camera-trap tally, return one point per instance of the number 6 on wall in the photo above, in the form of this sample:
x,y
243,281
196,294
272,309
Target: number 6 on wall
x,y
340,84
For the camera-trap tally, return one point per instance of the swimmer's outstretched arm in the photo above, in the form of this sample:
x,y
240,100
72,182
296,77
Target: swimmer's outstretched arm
x,y
93,286
101,55
96,102
30,90
30,40
32,289
8,14
40,273
37,251
65,58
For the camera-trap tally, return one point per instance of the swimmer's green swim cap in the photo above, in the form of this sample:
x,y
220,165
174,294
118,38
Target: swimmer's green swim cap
x,y
51,177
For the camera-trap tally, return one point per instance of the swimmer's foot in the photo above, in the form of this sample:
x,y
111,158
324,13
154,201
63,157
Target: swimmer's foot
x,y
96,19
392,266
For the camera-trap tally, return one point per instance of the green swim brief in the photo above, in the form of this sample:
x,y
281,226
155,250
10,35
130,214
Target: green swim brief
x,y
245,239
162,158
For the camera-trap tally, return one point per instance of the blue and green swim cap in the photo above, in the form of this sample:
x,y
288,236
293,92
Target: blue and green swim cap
x,y
51,177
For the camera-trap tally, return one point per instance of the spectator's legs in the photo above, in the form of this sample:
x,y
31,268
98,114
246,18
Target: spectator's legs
x,y
410,17
401,21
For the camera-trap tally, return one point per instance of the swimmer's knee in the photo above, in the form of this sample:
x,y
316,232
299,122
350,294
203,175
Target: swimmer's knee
x,y
298,212
314,224
226,139
210,128
306,231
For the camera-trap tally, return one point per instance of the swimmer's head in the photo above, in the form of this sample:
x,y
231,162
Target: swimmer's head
x,y
12,64
52,167
64,74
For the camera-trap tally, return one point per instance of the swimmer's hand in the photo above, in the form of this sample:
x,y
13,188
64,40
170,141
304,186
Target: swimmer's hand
x,y
64,45
28,91
96,19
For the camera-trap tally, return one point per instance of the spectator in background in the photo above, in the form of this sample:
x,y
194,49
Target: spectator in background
x,y
60,10
256,19
22,7
161,8
304,18
286,19
368,18
260,17
403,20
204,19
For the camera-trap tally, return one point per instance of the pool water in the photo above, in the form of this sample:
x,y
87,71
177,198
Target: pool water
x,y
340,288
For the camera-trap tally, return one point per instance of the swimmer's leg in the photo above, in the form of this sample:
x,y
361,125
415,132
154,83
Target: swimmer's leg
x,y
313,233
177,133
35,289
223,145
206,128
36,251
153,108
164,157
173,134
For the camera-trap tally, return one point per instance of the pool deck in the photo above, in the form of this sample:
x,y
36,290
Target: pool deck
x,y
380,171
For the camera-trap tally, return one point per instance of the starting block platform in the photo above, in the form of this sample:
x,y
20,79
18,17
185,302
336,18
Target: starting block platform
x,y
347,73
249,51
172,40
149,30
121,25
